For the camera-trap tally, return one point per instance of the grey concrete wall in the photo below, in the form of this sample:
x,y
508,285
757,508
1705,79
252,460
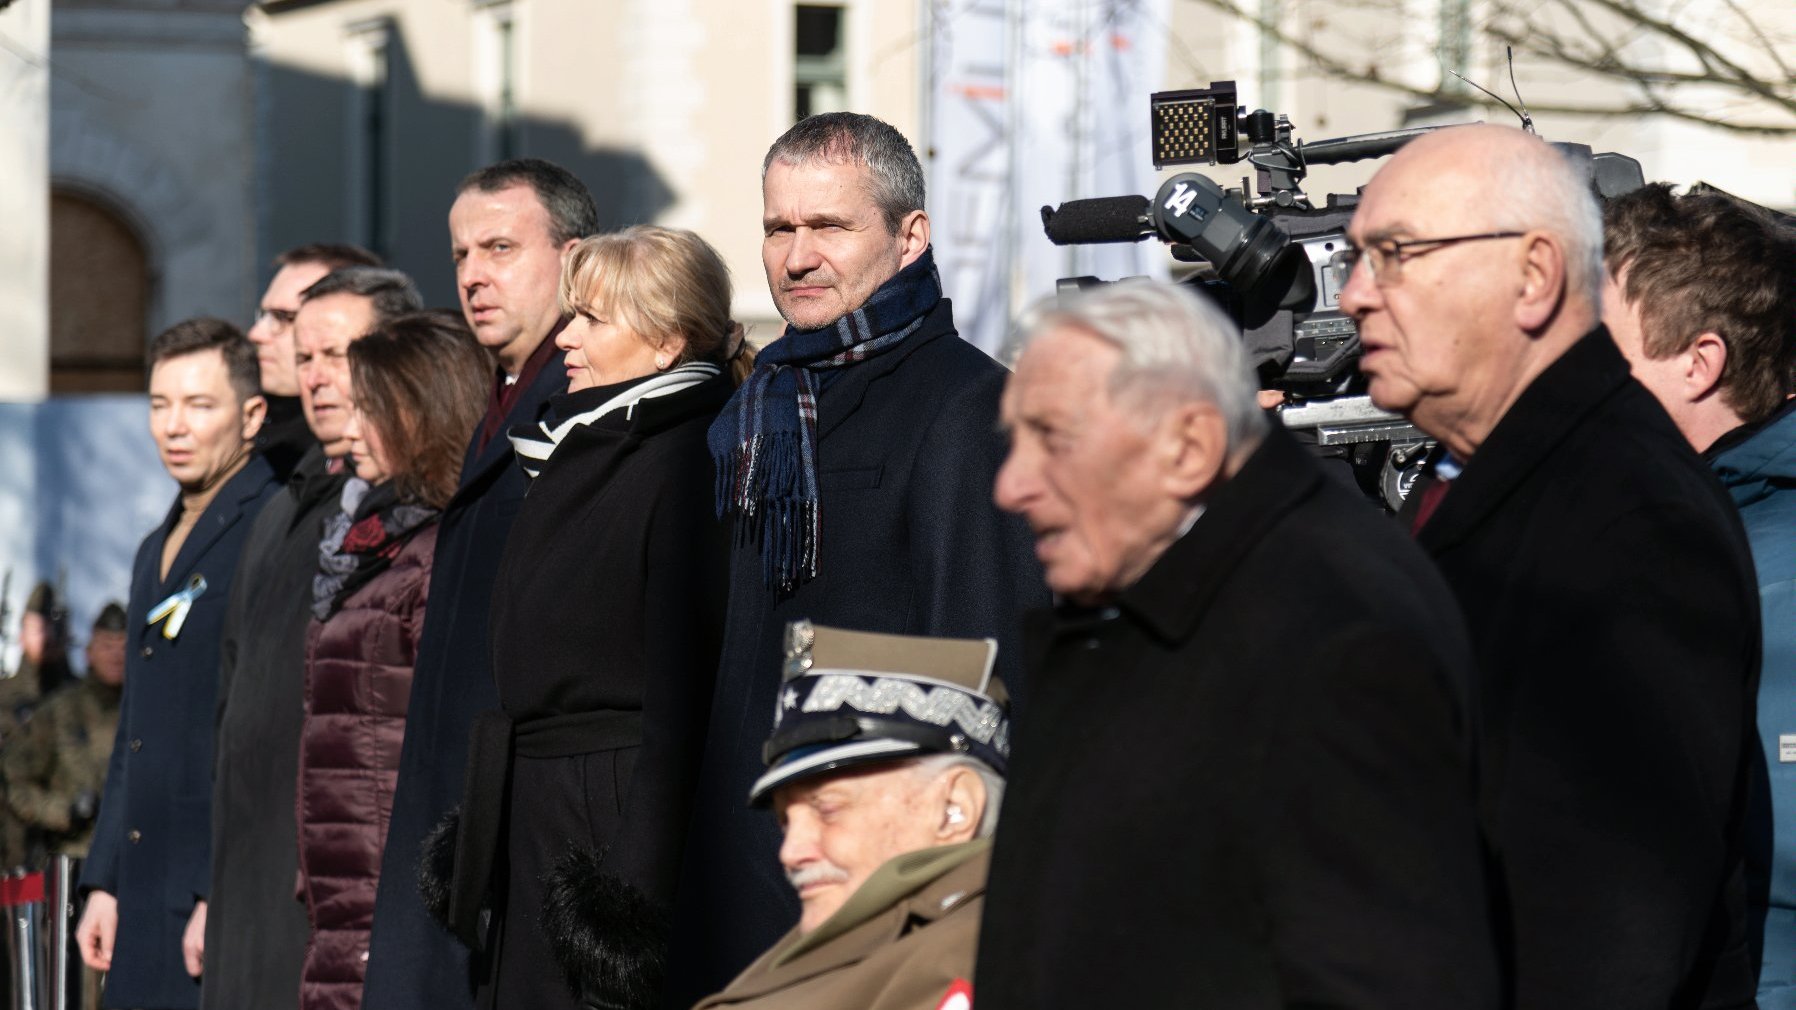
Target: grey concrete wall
x,y
150,110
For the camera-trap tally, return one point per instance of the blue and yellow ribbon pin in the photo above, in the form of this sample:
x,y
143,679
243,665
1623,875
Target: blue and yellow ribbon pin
x,y
175,608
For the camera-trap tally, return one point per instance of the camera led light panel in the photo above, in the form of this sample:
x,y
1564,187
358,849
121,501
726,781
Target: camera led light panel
x,y
1196,125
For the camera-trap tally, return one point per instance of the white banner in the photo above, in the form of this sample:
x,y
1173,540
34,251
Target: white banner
x,y
1035,103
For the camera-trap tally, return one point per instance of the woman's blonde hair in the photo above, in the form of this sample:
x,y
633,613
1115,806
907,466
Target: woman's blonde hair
x,y
661,283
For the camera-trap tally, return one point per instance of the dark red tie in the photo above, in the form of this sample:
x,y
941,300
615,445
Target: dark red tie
x,y
1431,500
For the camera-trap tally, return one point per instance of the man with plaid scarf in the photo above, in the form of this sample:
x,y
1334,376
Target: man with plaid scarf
x,y
856,464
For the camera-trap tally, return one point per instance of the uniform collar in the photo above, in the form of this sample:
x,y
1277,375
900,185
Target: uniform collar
x,y
918,888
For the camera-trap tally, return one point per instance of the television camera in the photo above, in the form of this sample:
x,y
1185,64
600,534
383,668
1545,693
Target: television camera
x,y
1266,252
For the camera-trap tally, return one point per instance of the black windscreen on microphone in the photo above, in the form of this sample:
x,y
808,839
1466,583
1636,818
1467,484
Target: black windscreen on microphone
x,y
1092,222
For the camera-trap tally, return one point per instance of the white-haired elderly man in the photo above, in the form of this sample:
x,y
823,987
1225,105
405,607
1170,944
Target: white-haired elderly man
x,y
886,771
1602,570
1245,777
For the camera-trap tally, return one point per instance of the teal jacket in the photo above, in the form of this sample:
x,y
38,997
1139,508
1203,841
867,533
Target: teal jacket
x,y
1760,473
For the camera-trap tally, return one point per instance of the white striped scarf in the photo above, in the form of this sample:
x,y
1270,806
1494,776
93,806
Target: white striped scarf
x,y
534,450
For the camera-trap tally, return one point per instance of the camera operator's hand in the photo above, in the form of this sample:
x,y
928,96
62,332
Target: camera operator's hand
x,y
83,808
98,928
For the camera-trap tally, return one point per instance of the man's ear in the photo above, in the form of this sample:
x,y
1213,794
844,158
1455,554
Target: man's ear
x,y
1195,446
255,411
913,237
568,247
963,807
1704,361
1543,281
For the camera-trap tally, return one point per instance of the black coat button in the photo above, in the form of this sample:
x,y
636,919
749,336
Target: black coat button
x,y
136,745
147,652
134,836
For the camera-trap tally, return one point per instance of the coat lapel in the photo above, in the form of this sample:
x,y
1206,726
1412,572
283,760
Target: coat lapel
x,y
225,511
480,464
1548,411
844,396
951,891
1172,597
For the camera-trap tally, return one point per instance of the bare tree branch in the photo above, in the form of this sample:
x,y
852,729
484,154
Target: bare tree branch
x,y
1595,37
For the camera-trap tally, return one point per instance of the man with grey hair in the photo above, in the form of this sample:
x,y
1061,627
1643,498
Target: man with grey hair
x,y
856,464
885,769
1245,778
1601,567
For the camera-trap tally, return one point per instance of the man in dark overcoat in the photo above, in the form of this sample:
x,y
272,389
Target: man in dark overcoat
x,y
509,227
1246,778
146,875
1602,570
255,934
856,465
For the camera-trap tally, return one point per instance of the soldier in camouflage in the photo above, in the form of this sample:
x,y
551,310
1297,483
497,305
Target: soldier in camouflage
x,y
43,667
55,765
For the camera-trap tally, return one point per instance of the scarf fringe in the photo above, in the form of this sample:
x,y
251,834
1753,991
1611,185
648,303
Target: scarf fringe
x,y
763,481
764,440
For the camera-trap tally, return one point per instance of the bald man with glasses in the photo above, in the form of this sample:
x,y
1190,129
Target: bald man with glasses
x,y
1602,570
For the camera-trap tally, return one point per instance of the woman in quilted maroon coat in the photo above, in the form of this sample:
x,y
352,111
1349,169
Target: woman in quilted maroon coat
x,y
419,387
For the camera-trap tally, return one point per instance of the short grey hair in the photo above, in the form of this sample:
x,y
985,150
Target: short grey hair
x,y
895,176
389,291
1552,194
1174,342
940,764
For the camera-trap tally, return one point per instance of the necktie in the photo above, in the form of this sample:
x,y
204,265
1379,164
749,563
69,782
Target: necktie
x,y
1432,493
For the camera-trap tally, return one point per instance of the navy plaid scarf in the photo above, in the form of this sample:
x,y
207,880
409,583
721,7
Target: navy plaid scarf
x,y
765,439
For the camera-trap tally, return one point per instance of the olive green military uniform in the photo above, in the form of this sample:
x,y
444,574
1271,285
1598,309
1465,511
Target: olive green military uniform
x,y
19,697
59,757
905,941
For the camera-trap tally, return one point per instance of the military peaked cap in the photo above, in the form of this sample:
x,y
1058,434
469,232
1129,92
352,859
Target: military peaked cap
x,y
854,697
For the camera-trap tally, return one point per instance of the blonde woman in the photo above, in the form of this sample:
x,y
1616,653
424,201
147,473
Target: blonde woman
x,y
606,621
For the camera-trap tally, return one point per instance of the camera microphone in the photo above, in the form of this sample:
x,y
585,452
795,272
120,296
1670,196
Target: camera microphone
x,y
1094,222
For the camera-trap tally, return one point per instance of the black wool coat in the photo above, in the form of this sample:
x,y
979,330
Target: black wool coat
x,y
255,930
153,836
285,439
911,543
413,962
1248,784
1614,615
607,620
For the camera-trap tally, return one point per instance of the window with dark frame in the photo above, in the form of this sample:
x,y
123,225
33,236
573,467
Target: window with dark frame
x,y
819,64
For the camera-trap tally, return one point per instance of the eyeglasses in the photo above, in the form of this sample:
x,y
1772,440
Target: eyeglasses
x,y
1385,258
281,317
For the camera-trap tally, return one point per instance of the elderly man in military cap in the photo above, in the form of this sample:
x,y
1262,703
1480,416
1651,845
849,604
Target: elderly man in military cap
x,y
885,770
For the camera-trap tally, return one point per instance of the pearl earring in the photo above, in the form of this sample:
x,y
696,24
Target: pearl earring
x,y
660,362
